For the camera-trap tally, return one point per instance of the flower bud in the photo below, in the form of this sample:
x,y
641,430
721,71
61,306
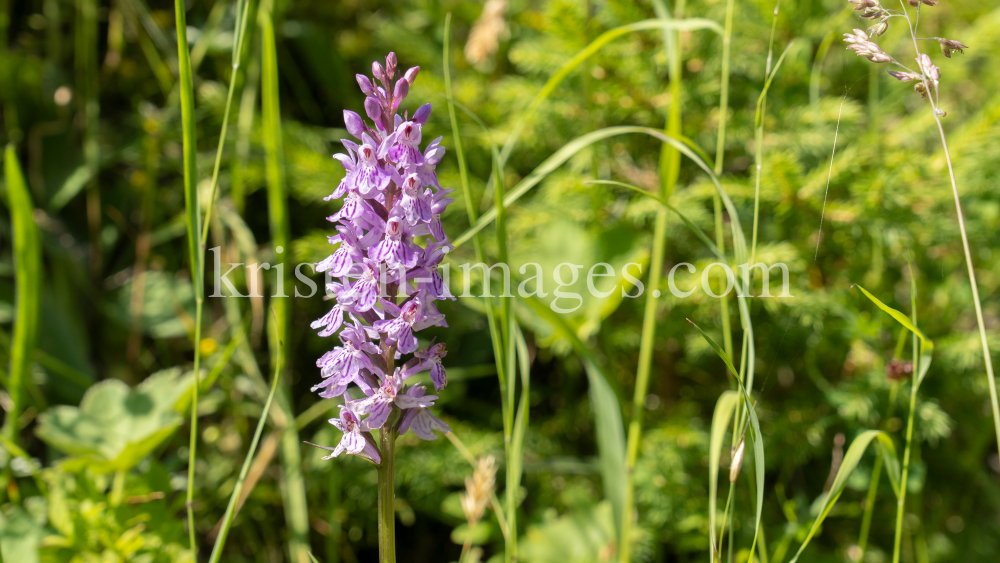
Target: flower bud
x,y
400,92
378,72
353,122
365,84
941,112
423,112
374,111
737,463
390,65
411,75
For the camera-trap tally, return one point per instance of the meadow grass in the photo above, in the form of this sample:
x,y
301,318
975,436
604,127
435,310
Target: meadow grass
x,y
509,322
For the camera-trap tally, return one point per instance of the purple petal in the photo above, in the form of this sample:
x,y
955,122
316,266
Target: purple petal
x,y
411,75
355,126
423,112
378,412
438,377
353,442
365,84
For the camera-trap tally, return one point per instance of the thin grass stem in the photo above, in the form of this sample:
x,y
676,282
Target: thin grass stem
x,y
990,378
231,508
669,171
193,216
242,17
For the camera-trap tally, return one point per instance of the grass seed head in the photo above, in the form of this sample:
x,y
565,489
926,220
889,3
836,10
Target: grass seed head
x,y
478,489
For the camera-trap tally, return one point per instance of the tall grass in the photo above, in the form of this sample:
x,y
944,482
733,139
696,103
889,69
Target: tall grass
x,y
932,99
28,275
669,171
193,221
234,498
292,481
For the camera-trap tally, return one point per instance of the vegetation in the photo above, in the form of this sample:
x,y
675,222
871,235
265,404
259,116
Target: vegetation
x,y
150,145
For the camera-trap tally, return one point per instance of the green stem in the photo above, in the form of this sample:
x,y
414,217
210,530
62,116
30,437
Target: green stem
x,y
496,336
669,170
194,241
720,151
876,474
386,492
901,504
241,28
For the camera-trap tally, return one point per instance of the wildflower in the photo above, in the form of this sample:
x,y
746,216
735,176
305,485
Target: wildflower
x,y
949,45
380,404
392,203
431,358
420,420
353,441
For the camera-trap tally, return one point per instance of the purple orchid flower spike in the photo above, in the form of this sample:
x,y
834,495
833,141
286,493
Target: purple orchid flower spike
x,y
384,275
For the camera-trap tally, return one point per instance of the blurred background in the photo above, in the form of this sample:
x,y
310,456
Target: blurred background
x,y
90,106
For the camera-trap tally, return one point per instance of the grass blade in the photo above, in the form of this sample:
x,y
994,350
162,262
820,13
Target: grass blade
x,y
292,481
755,434
849,464
28,277
725,407
573,147
669,170
691,24
242,17
605,403
193,217
230,515
926,345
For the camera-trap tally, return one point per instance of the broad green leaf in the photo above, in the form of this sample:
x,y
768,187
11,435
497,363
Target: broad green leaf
x,y
847,466
116,426
20,533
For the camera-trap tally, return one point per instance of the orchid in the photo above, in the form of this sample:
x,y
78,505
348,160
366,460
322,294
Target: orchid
x,y
389,240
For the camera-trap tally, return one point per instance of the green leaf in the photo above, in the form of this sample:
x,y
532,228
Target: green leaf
x,y
724,409
607,410
847,466
20,534
28,277
116,426
755,436
926,345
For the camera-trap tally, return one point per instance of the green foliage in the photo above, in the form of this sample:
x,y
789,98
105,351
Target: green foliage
x,y
113,128
115,426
